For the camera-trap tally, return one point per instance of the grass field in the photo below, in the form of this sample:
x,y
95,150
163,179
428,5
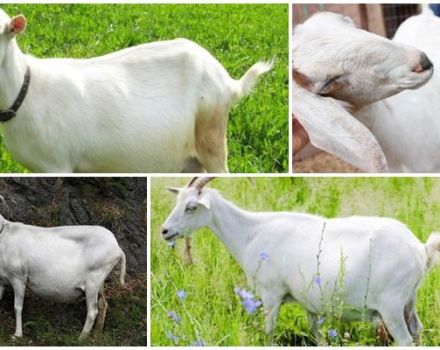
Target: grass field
x,y
213,313
48,324
237,35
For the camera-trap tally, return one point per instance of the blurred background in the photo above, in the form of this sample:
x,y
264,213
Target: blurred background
x,y
382,19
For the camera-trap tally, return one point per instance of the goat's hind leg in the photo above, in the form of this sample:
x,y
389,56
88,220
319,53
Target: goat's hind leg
x,y
102,310
394,319
211,144
92,290
415,326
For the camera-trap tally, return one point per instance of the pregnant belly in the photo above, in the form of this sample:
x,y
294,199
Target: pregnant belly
x,y
56,292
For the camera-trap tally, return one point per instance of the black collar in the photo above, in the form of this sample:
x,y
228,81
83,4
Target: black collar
x,y
11,112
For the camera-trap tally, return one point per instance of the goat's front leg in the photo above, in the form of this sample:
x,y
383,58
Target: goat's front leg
x,y
187,256
19,290
271,302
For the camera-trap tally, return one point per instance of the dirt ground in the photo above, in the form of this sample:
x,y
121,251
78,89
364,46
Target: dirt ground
x,y
323,163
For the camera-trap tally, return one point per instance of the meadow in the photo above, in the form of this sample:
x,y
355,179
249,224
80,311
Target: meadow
x,y
196,303
238,35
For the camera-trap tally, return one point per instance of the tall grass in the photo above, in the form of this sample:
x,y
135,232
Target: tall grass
x,y
238,35
212,312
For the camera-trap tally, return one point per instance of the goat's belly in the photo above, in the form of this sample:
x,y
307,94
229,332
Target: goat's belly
x,y
56,292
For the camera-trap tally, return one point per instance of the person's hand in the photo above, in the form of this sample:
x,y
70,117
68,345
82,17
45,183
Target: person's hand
x,y
300,136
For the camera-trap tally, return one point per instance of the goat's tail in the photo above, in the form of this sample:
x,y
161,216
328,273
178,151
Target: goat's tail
x,y
433,249
123,269
248,80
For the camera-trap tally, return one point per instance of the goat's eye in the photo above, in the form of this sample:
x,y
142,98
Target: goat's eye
x,y
190,208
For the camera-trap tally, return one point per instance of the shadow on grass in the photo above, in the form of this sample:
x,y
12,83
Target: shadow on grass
x,y
48,323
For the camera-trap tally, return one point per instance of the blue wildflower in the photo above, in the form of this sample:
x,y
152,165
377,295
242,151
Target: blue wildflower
x,y
320,321
172,337
174,316
264,256
247,300
243,294
251,305
181,294
199,342
318,280
332,333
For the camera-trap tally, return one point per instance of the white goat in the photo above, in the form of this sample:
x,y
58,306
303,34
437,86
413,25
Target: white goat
x,y
383,263
158,107
341,72
58,263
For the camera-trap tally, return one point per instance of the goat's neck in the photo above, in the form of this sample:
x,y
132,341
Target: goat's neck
x,y
235,227
12,71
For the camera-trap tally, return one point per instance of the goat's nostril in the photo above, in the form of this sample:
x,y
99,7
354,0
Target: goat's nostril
x,y
424,64
164,231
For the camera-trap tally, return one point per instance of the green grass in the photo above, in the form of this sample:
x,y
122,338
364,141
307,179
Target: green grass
x,y
46,323
237,35
213,313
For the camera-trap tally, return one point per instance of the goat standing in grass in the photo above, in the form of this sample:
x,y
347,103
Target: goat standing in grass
x,y
157,107
384,263
60,264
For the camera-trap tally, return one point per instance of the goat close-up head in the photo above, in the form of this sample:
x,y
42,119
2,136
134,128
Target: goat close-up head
x,y
331,57
192,210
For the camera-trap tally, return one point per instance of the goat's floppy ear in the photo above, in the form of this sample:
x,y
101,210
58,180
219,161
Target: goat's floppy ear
x,y
206,202
333,129
17,25
174,190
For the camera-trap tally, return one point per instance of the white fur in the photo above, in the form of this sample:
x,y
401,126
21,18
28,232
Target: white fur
x,y
390,133
382,261
158,107
59,263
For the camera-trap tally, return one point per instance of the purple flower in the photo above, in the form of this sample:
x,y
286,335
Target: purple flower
x,y
174,316
199,342
264,256
320,321
251,305
243,293
181,294
248,300
172,337
332,333
318,280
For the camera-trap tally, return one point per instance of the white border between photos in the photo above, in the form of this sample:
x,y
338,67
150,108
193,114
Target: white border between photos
x,y
170,175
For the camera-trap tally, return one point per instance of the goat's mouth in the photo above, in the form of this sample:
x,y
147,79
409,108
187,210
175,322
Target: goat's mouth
x,y
170,237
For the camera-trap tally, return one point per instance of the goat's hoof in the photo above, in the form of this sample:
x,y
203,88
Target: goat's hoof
x,y
15,337
83,336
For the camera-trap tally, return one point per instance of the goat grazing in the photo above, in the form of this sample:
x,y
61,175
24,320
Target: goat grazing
x,y
157,107
60,264
383,262
343,80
